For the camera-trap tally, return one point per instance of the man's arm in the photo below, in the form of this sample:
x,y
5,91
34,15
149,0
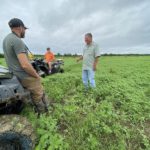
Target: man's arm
x,y
53,56
25,64
97,55
95,63
44,56
80,58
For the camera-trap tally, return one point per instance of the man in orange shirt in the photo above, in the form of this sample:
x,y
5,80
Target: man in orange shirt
x,y
49,57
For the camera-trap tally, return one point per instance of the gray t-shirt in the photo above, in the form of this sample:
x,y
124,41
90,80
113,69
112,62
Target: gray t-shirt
x,y
90,52
12,46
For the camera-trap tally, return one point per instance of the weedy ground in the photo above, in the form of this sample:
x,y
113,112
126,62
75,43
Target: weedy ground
x,y
113,116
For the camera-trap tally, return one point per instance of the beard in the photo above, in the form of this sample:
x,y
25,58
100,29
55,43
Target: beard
x,y
22,35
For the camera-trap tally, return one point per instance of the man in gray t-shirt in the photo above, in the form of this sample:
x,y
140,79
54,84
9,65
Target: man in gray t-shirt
x,y
15,52
90,59
13,46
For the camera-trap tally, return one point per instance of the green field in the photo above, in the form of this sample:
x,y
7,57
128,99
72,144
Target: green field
x,y
114,116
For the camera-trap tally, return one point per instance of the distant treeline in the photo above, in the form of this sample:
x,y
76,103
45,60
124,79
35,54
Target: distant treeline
x,y
125,54
72,55
75,55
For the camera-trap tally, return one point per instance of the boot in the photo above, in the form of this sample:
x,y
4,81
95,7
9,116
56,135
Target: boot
x,y
45,101
40,107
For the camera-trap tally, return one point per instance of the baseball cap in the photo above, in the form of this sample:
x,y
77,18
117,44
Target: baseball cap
x,y
15,22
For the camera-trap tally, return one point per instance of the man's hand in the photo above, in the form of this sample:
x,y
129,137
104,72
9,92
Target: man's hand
x,y
25,64
95,64
77,60
94,67
39,77
80,58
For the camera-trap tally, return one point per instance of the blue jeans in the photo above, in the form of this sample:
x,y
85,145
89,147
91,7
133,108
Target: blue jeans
x,y
88,78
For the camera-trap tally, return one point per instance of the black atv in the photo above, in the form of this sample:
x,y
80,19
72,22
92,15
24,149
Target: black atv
x,y
42,67
16,133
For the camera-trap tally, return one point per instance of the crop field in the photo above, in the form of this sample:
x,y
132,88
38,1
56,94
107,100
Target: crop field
x,y
113,116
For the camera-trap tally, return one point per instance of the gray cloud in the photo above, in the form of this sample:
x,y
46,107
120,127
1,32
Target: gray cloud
x,y
117,26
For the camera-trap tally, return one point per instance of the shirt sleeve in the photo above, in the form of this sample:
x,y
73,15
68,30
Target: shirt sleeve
x,y
53,56
19,46
45,56
96,51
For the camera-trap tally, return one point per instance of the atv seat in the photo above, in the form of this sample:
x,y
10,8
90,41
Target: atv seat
x,y
5,73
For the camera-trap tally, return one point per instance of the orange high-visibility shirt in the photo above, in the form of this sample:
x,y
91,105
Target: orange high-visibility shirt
x,y
49,56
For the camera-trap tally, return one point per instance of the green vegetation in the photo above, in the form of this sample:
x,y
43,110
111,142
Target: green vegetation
x,y
114,116
2,62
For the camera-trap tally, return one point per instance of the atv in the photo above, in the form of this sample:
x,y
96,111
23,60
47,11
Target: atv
x,y
56,66
42,67
16,132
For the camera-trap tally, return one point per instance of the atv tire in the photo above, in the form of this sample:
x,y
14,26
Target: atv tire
x,y
61,71
16,133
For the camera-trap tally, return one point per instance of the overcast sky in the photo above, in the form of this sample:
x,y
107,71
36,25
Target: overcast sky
x,y
118,26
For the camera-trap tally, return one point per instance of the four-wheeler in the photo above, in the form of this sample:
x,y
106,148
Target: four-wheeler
x,y
16,132
43,69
